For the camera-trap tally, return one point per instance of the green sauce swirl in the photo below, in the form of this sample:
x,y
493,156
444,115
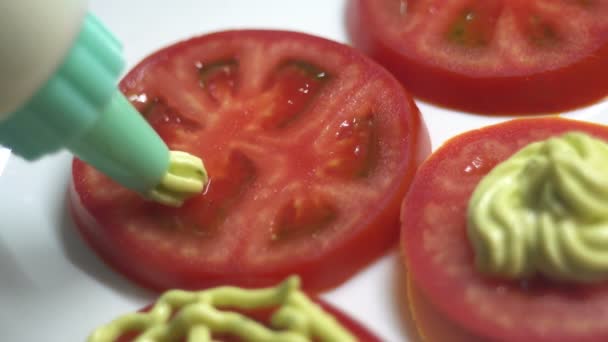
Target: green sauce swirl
x,y
544,210
186,177
196,315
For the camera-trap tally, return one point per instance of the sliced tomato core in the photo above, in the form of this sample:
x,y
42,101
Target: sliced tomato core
x,y
489,57
303,218
476,23
357,146
219,78
295,84
160,115
222,192
541,30
309,147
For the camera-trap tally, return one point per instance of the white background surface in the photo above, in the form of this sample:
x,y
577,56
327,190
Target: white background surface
x,y
52,288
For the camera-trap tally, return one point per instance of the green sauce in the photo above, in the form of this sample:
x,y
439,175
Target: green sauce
x,y
186,177
297,318
544,210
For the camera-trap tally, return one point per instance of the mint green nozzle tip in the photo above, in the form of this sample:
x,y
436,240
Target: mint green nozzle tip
x,y
123,146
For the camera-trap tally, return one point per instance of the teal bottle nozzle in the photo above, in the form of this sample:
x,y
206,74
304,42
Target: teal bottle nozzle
x,y
123,146
81,108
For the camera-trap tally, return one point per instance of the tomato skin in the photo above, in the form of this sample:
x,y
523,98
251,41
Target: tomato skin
x,y
430,324
106,215
567,87
440,260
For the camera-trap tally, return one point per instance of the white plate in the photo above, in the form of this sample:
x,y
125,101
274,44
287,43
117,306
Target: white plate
x,y
52,288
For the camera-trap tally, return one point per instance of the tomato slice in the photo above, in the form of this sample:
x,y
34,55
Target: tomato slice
x,y
440,260
489,56
310,148
360,332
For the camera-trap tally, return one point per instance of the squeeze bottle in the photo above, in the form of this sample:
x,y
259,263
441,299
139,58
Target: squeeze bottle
x,y
58,73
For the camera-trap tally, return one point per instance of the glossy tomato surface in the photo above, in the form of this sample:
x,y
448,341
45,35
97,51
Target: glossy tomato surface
x,y
310,148
490,56
440,260
358,330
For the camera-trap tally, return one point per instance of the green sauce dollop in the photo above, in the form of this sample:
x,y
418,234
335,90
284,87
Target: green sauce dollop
x,y
297,318
186,177
544,210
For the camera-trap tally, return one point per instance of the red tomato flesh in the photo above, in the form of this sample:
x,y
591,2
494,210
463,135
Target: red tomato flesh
x,y
430,324
440,260
310,148
490,56
355,328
